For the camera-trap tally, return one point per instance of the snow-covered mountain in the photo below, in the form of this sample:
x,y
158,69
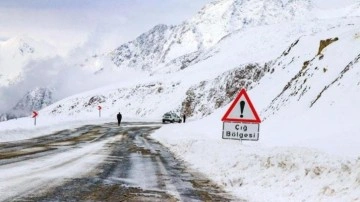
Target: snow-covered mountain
x,y
212,82
33,100
229,44
181,45
16,53
171,48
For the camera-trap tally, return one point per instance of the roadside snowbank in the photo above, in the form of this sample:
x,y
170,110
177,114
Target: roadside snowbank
x,y
263,170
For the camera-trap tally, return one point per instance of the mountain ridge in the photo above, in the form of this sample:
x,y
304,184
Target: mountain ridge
x,y
35,99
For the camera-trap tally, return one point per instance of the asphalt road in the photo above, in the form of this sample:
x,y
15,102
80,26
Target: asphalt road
x,y
134,168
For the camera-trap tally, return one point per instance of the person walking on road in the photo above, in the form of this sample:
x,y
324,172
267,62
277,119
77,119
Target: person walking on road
x,y
119,117
184,118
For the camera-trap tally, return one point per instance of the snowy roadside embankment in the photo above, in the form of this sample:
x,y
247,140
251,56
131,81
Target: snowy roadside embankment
x,y
262,171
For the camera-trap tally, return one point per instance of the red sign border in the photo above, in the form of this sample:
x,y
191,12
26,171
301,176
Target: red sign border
x,y
242,93
35,114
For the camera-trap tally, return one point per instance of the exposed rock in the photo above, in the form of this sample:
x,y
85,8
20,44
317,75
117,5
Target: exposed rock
x,y
325,43
207,96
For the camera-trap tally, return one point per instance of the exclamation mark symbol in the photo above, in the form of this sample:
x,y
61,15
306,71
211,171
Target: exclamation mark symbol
x,y
242,105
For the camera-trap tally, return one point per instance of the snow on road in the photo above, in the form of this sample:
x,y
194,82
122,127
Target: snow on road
x,y
279,173
26,177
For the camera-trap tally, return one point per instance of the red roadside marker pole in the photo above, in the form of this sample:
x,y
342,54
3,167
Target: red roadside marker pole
x,y
35,114
99,108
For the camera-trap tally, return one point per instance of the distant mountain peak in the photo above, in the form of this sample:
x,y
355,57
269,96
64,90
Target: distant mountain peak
x,y
165,49
173,45
24,45
17,52
36,99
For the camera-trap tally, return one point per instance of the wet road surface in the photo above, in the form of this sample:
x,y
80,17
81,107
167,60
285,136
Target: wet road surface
x,y
136,168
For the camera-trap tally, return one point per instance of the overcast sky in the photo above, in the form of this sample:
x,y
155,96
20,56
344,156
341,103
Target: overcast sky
x,y
70,23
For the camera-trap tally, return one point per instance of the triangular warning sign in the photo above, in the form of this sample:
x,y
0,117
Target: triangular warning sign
x,y
242,110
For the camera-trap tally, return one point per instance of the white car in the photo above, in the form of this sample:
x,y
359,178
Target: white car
x,y
171,117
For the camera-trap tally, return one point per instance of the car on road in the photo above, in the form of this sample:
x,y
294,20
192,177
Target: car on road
x,y
171,117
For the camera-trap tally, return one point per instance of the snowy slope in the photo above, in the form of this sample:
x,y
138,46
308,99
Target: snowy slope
x,y
213,81
308,148
182,44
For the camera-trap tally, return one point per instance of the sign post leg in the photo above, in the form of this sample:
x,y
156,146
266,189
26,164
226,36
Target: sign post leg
x,y
35,121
